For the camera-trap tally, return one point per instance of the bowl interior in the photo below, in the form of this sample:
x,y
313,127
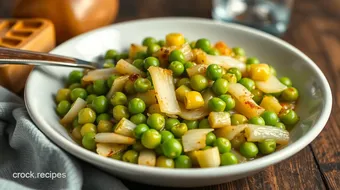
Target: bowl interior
x,y
313,106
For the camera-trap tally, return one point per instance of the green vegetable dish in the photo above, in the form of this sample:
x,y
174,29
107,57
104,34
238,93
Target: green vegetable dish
x,y
177,104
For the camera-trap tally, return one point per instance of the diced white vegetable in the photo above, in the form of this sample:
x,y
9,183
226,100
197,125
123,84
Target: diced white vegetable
x,y
113,138
219,119
208,158
197,69
73,112
165,90
125,127
134,49
107,149
125,68
117,85
194,139
147,158
238,90
186,50
272,85
99,74
226,62
229,132
240,158
256,133
194,114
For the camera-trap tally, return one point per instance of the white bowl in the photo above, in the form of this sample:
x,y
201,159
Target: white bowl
x,y
314,106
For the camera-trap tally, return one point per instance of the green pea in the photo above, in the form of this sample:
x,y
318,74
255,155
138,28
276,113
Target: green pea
x,y
203,44
136,105
151,139
150,61
290,94
267,146
210,139
198,82
239,51
270,118
236,72
183,161
189,64
192,44
78,93
238,119
137,146
88,141
249,150
108,63
176,55
129,87
130,156
289,117
170,123
122,56
86,115
179,130
119,112
139,130
161,43
139,63
204,124
88,128
191,124
272,70
63,107
166,135
110,54
156,121
213,51
216,105
177,68
248,83
252,60
100,87
75,85
63,94
75,77
100,104
138,118
159,150
89,89
220,86
153,48
229,101
110,80
286,81
75,123
280,125
206,148
257,121
90,98
141,55
258,95
164,162
118,98
223,145
104,126
183,81
148,41
142,85
214,72
118,156
103,116
237,141
230,77
228,158
172,148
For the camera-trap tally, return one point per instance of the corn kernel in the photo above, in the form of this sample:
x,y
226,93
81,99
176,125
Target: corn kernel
x,y
223,48
193,100
154,108
270,103
175,39
219,119
260,72
181,91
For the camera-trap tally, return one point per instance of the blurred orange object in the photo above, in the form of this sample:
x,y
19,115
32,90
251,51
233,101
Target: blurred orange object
x,y
70,17
27,34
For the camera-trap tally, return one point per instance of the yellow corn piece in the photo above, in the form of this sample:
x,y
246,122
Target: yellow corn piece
x,y
259,72
193,100
222,48
134,49
270,103
154,108
219,119
175,39
193,157
199,56
181,91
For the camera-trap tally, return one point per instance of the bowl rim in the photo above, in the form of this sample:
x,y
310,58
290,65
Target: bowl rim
x,y
197,173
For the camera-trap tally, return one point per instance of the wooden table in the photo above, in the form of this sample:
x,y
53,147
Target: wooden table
x,y
315,30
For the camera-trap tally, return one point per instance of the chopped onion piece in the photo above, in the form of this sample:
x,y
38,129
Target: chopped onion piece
x,y
148,97
186,50
165,90
108,150
194,114
238,90
73,112
99,74
194,139
134,49
240,158
197,69
147,158
272,85
226,62
125,68
113,138
125,127
208,158
117,85
219,119
257,133
229,132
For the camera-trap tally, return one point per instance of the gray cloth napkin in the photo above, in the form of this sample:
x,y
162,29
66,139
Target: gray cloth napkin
x,y
29,160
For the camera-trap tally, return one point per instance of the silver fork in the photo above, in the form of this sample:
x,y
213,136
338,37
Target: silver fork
x,y
24,57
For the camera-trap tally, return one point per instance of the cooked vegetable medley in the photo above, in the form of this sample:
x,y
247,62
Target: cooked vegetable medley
x,y
178,104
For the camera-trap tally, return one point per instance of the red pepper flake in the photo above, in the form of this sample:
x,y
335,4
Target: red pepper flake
x,y
110,153
133,77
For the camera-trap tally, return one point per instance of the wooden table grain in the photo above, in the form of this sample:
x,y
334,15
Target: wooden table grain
x,y
315,30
